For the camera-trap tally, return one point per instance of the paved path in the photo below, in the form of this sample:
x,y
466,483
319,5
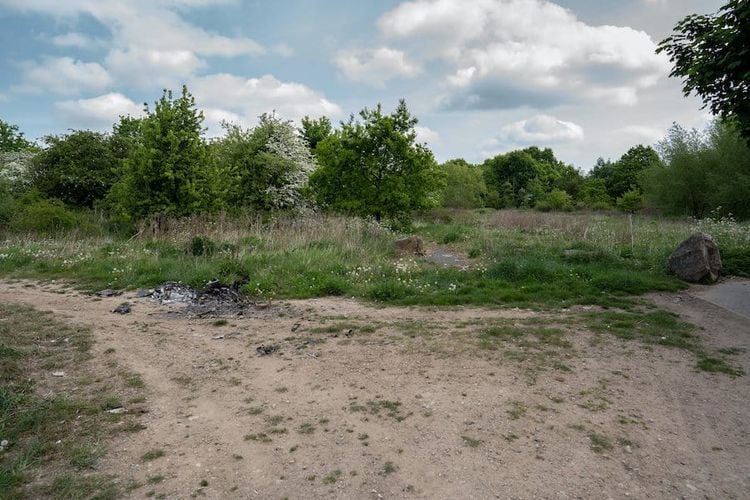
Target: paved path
x,y
732,295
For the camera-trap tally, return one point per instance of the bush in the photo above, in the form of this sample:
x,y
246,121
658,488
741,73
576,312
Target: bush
x,y
556,200
44,216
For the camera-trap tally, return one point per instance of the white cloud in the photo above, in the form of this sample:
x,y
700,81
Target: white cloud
x,y
247,98
99,112
148,68
541,130
377,66
63,75
150,24
509,53
644,133
426,135
76,40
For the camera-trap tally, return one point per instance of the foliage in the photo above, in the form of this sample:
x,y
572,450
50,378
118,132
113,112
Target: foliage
x,y
164,173
523,177
264,168
465,186
594,193
702,172
625,174
12,140
374,167
557,199
76,168
42,216
712,55
630,202
627,170
315,131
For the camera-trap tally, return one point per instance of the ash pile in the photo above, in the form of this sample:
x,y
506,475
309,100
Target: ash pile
x,y
213,300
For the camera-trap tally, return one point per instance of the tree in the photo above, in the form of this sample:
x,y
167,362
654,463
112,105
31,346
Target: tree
x,y
264,168
702,172
11,139
465,186
165,172
77,168
511,172
315,131
626,172
712,55
374,167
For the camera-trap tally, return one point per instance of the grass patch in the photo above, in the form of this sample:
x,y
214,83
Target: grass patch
x,y
660,328
33,344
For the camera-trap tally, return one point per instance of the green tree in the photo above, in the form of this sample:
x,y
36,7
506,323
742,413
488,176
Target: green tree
x,y
375,167
315,131
626,173
701,172
11,139
511,173
264,168
465,186
630,202
711,53
76,168
594,194
165,171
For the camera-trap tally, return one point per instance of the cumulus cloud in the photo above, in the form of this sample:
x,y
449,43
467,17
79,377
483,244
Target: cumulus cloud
x,y
244,99
510,53
541,130
375,67
151,24
63,75
98,113
426,135
149,67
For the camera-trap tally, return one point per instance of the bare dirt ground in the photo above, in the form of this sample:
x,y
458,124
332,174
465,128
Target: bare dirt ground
x,y
367,402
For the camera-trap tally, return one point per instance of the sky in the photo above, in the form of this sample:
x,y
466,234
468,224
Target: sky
x,y
482,76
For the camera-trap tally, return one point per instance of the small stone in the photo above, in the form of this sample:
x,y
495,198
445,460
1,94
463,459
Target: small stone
x,y
4,443
58,374
117,411
123,308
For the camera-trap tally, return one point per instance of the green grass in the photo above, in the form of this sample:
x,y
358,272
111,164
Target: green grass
x,y
33,423
661,328
524,259
152,454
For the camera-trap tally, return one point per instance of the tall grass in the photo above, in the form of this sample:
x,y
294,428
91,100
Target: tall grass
x,y
518,257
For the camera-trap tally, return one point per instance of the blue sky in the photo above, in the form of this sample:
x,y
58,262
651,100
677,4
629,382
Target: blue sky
x,y
483,76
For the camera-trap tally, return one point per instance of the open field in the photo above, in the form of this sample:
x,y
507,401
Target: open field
x,y
526,355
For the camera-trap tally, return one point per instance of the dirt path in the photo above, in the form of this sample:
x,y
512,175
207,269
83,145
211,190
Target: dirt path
x,y
365,402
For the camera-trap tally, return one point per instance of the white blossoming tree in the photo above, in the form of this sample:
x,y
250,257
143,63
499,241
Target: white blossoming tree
x,y
263,168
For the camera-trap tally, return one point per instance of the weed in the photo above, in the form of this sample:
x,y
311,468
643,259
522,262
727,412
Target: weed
x,y
306,428
599,442
471,442
332,477
158,478
389,468
259,437
152,455
517,411
220,322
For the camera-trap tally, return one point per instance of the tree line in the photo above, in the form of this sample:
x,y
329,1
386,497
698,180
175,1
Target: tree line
x,y
370,165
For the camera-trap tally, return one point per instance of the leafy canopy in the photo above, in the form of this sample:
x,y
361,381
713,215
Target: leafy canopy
x,y
712,55
374,167
163,172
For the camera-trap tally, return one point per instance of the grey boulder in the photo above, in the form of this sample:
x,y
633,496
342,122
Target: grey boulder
x,y
697,259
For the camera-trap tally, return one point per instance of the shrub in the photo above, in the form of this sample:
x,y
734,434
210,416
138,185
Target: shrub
x,y
557,200
44,216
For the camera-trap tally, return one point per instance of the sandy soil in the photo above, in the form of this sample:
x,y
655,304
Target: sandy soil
x,y
471,423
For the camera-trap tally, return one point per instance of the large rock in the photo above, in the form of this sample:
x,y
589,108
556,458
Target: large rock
x,y
413,245
697,259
